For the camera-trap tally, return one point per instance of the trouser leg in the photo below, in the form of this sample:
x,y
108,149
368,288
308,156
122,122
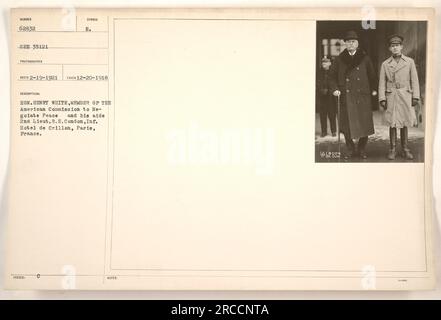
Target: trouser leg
x,y
350,145
348,140
332,114
404,137
362,142
323,117
393,143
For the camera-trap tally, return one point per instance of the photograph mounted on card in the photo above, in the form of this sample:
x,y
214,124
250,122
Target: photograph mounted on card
x,y
370,91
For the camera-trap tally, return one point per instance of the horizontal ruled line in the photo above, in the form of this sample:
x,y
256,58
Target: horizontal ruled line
x,y
72,31
78,48
62,80
219,19
62,48
214,276
59,64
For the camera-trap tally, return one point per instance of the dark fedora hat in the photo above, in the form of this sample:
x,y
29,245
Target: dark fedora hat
x,y
351,35
395,38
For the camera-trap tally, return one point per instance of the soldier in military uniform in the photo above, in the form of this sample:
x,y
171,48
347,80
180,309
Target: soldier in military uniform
x,y
325,101
399,92
353,79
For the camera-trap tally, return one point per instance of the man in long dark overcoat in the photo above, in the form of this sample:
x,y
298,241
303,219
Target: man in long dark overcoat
x,y
353,78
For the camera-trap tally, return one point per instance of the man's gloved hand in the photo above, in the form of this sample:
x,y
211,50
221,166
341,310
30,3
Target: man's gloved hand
x,y
383,103
415,102
336,93
374,93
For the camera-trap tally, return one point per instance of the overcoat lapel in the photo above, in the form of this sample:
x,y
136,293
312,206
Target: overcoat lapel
x,y
401,63
394,66
352,62
390,70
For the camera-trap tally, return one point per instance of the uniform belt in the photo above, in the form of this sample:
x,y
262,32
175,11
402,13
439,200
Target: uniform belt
x,y
399,85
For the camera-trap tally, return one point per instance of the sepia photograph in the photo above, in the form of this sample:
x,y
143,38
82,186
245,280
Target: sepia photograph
x,y
370,90
164,150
